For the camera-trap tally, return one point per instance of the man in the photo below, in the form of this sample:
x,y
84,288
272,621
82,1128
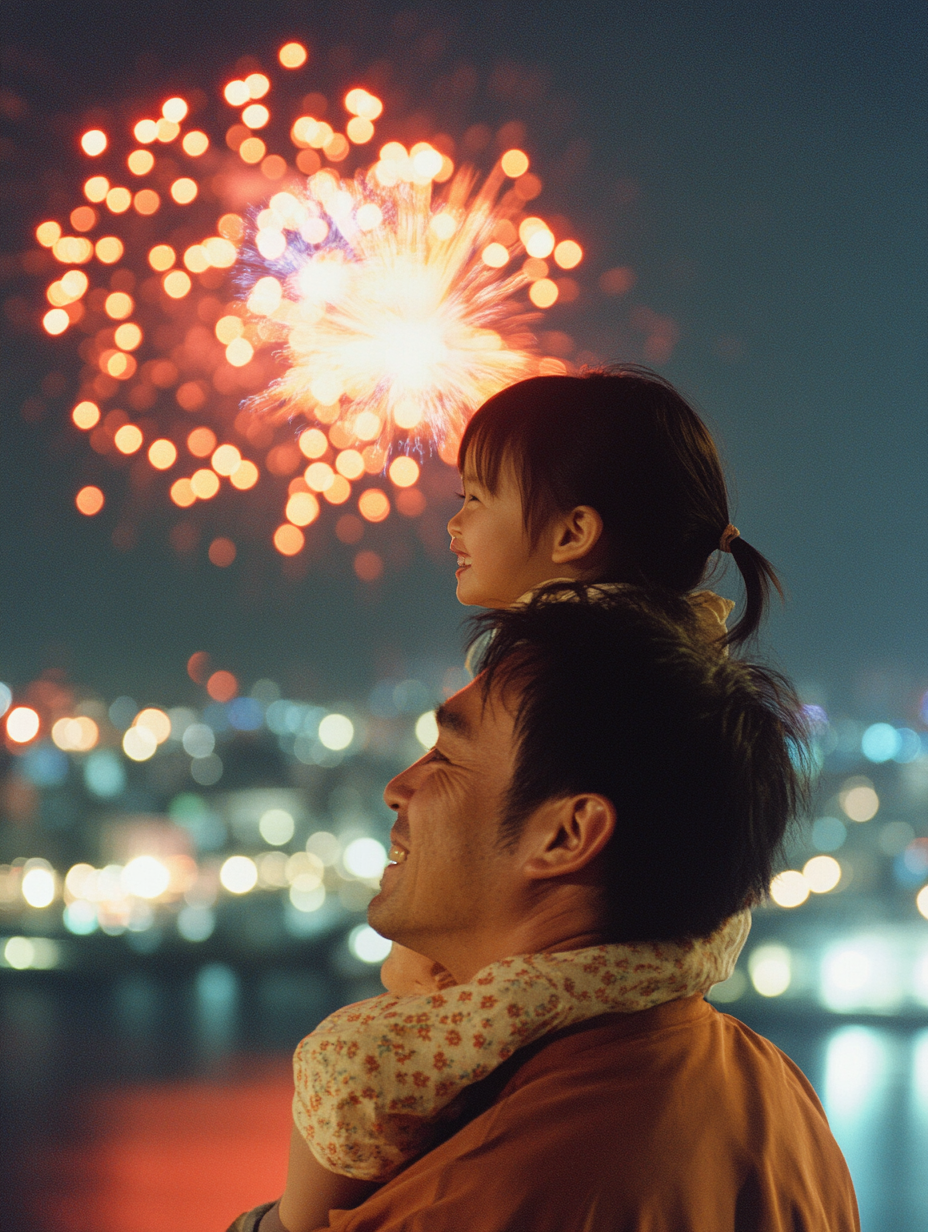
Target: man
x,y
606,779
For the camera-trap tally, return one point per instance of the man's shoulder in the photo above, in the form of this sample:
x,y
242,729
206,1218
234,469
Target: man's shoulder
x,y
622,1119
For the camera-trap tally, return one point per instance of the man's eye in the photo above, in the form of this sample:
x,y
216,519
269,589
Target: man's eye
x,y
435,755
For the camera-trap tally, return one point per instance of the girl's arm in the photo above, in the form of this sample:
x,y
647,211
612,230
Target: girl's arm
x,y
406,973
311,1192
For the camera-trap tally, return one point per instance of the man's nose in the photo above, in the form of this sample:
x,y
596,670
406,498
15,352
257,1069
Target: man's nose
x,y
398,791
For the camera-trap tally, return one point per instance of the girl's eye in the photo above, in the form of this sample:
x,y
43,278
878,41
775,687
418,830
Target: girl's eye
x,y
459,495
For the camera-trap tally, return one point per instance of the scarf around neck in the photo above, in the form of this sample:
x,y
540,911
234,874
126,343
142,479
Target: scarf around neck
x,y
375,1081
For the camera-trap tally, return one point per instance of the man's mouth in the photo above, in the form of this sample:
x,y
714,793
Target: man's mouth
x,y
398,854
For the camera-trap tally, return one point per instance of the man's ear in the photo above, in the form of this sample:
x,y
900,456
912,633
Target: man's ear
x,y
576,534
567,835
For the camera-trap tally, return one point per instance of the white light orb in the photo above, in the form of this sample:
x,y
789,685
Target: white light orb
x,y
146,877
822,873
365,858
38,887
789,888
239,874
770,968
427,729
368,945
336,732
276,827
139,743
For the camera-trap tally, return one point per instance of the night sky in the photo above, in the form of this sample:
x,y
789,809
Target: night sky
x,y
760,167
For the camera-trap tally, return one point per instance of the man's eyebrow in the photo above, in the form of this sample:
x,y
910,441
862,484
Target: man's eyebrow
x,y
452,720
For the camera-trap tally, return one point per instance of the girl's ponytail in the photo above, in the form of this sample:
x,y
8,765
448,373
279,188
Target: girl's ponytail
x,y
758,576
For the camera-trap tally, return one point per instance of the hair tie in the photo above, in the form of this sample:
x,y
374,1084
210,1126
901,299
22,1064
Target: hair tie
x,y
730,532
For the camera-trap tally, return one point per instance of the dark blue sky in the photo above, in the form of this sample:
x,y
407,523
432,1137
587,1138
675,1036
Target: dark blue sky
x,y
777,154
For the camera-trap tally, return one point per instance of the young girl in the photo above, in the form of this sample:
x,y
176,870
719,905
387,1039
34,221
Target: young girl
x,y
605,478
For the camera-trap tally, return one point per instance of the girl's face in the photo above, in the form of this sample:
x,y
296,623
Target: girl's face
x,y
496,561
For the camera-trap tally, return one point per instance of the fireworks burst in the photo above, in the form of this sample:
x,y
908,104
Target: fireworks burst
x,y
336,323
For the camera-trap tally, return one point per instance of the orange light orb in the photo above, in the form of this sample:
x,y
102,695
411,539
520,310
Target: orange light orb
x,y
350,464
359,130
313,443
495,255
140,162
182,493
86,415
252,150
255,116
195,143
568,254
201,442
145,131
184,190
302,509
239,352
543,293
514,163
146,202
109,249
47,233
94,142
288,539
96,188
83,218
404,471
176,284
226,460
118,305
292,55
245,476
128,336
175,110
89,501
373,505
118,200
56,321
205,483
368,566
167,130
319,476
128,439
236,93
222,552
222,686
162,454
258,85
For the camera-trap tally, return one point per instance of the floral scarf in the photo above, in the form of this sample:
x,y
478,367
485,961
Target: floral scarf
x,y
374,1080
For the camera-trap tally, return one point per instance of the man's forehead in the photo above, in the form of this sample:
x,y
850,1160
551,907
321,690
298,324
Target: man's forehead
x,y
470,710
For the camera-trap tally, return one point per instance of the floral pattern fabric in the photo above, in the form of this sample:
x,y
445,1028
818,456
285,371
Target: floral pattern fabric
x,y
373,1081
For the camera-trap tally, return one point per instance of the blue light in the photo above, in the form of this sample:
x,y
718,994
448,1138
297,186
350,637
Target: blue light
x,y
880,742
6,697
45,766
104,774
245,714
910,746
828,834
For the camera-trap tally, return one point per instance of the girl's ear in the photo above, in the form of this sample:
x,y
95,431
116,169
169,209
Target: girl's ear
x,y
576,534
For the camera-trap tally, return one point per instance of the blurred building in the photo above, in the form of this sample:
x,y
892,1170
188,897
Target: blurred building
x,y
253,830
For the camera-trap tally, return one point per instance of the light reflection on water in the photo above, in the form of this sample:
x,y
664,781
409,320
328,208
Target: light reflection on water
x,y
62,1044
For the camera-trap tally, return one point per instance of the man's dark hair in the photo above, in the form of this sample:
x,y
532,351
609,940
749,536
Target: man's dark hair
x,y
617,693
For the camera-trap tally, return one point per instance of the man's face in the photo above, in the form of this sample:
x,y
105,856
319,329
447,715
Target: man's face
x,y
450,879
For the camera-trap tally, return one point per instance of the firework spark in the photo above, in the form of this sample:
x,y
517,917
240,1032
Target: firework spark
x,y
241,301
402,313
